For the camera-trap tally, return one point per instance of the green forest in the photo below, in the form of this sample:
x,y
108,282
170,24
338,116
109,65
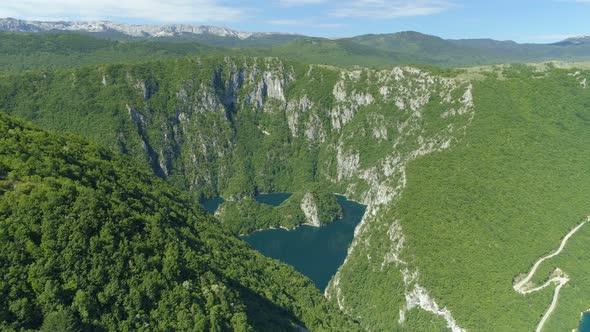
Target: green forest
x,y
91,241
39,51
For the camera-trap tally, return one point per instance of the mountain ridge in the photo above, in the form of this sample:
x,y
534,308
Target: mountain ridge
x,y
577,40
369,50
10,24
133,30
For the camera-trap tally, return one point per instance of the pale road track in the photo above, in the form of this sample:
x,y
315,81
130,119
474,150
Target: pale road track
x,y
523,286
552,306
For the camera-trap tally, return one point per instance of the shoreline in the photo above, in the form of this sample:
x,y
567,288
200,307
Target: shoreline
x,y
350,199
266,229
286,228
283,227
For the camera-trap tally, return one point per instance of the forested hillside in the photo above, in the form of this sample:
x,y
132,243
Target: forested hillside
x,y
30,51
92,242
64,50
520,184
427,49
474,217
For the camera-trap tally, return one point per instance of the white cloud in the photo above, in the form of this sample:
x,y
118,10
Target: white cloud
x,y
306,23
151,10
384,9
291,3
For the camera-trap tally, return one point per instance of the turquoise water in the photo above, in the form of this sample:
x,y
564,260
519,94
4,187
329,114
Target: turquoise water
x,y
585,324
212,204
316,252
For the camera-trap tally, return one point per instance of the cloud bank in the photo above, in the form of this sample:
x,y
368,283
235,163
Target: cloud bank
x,y
383,9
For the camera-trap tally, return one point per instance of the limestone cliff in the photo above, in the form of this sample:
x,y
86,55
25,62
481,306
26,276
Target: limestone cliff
x,y
310,209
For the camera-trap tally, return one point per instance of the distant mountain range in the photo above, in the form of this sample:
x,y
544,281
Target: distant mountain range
x,y
212,35
460,52
372,50
166,30
111,29
579,40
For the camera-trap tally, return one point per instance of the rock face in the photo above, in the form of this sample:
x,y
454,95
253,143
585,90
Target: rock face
x,y
406,92
236,126
419,298
310,209
167,30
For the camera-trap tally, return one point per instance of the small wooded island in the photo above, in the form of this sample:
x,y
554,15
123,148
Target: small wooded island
x,y
314,207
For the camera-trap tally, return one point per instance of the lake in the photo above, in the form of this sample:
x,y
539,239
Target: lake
x,y
212,204
274,199
317,252
585,323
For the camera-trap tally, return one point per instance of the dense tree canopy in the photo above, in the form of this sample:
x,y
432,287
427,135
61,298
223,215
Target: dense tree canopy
x,y
91,241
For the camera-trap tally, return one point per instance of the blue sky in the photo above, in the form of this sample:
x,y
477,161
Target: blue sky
x,y
520,20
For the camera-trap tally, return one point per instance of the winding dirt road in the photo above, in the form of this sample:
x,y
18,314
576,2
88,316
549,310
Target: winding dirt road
x,y
558,277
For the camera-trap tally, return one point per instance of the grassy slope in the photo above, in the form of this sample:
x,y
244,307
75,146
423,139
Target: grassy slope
x,y
484,211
